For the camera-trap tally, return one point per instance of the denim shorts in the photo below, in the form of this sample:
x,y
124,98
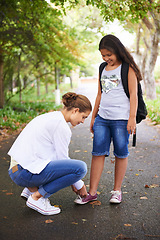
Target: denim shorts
x,y
106,131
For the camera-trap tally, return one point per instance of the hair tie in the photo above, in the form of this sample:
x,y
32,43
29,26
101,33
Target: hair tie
x,y
74,97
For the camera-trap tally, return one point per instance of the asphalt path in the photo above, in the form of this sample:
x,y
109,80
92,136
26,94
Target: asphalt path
x,y
137,217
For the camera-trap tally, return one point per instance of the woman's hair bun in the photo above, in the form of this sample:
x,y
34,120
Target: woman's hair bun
x,y
68,98
72,100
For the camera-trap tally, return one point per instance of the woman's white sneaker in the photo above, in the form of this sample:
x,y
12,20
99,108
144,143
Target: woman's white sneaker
x,y
43,206
26,193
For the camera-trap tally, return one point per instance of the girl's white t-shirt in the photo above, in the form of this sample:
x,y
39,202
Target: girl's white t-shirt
x,y
46,138
114,104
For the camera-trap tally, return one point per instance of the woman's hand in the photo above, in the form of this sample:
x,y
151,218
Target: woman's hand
x,y
82,192
74,189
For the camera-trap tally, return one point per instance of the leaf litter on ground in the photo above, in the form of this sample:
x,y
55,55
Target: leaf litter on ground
x,y
49,221
95,203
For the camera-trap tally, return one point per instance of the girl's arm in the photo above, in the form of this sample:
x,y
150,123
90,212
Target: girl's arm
x,y
96,107
132,86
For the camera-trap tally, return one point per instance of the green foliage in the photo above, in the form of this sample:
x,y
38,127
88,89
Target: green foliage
x,y
122,9
15,115
33,37
153,108
157,75
88,24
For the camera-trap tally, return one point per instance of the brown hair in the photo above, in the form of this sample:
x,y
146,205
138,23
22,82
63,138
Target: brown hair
x,y
73,100
113,44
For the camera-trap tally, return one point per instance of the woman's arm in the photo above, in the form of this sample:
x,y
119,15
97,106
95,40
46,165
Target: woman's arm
x,y
96,107
132,86
61,140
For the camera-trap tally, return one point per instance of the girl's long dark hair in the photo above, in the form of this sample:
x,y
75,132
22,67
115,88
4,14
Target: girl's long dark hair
x,y
113,44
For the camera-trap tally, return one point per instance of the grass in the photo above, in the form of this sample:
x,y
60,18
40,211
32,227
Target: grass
x,y
153,108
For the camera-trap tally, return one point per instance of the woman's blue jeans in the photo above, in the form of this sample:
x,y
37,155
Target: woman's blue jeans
x,y
56,175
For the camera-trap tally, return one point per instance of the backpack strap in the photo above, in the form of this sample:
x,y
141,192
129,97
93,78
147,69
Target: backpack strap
x,y
101,67
124,77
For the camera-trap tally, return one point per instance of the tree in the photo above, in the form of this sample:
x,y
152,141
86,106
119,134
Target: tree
x,y
38,32
29,27
16,25
152,25
88,24
145,12
148,36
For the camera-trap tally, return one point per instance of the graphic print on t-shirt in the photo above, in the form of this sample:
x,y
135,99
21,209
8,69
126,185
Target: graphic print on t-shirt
x,y
109,82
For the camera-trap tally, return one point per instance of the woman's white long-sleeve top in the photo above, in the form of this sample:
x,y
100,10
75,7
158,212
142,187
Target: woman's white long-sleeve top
x,y
44,139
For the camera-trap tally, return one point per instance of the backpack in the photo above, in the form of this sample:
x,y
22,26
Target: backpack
x,y
141,108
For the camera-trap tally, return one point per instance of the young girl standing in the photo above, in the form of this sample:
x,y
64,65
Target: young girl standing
x,y
39,156
113,117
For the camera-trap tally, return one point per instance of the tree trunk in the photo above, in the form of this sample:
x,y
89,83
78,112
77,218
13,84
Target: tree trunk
x,y
144,59
1,81
149,70
138,39
46,87
19,79
71,82
38,87
56,77
25,81
1,85
46,84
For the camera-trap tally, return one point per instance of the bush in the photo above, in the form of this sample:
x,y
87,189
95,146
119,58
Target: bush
x,y
153,108
15,115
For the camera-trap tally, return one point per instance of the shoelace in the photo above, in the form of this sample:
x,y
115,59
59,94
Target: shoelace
x,y
79,197
116,193
46,202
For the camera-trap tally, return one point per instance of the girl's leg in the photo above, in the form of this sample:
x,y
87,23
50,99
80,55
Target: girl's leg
x,y
120,170
101,146
95,174
120,141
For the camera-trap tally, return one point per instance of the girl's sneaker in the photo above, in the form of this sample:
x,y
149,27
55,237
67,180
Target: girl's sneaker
x,y
43,206
85,200
116,197
26,193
